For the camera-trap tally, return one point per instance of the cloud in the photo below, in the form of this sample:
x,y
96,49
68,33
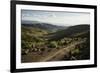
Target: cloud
x,y
57,18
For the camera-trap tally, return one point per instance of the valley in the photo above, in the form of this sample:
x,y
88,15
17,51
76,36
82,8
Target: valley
x,y
42,42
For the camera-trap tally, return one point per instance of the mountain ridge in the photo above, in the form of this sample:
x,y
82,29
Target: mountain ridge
x,y
69,32
41,25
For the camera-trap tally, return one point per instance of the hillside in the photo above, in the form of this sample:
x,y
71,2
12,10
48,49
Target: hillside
x,y
69,32
39,44
42,25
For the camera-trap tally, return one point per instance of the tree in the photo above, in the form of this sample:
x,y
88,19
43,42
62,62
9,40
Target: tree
x,y
53,44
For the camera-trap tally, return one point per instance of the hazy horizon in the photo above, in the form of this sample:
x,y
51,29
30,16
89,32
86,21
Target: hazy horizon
x,y
56,17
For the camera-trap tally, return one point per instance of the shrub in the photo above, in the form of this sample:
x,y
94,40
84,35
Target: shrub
x,y
52,44
25,45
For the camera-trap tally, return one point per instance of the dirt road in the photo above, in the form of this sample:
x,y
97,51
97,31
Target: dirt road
x,y
58,54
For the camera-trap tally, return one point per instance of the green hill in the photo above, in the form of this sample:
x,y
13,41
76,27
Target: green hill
x,y
73,31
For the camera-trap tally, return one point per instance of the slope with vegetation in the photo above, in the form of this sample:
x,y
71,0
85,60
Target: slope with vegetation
x,y
38,43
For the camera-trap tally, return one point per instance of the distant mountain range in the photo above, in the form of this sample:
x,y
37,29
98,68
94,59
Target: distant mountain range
x,y
42,25
29,22
59,32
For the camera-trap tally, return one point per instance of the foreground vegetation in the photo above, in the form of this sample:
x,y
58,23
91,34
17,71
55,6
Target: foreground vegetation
x,y
37,43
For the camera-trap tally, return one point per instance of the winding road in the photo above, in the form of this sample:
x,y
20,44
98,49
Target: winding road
x,y
61,52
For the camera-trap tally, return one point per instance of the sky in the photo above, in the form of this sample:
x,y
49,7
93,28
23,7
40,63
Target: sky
x,y
61,18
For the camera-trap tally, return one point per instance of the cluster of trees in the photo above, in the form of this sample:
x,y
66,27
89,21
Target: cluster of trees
x,y
38,44
34,41
79,52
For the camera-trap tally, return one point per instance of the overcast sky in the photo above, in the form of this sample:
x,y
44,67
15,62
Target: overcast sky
x,y
57,18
